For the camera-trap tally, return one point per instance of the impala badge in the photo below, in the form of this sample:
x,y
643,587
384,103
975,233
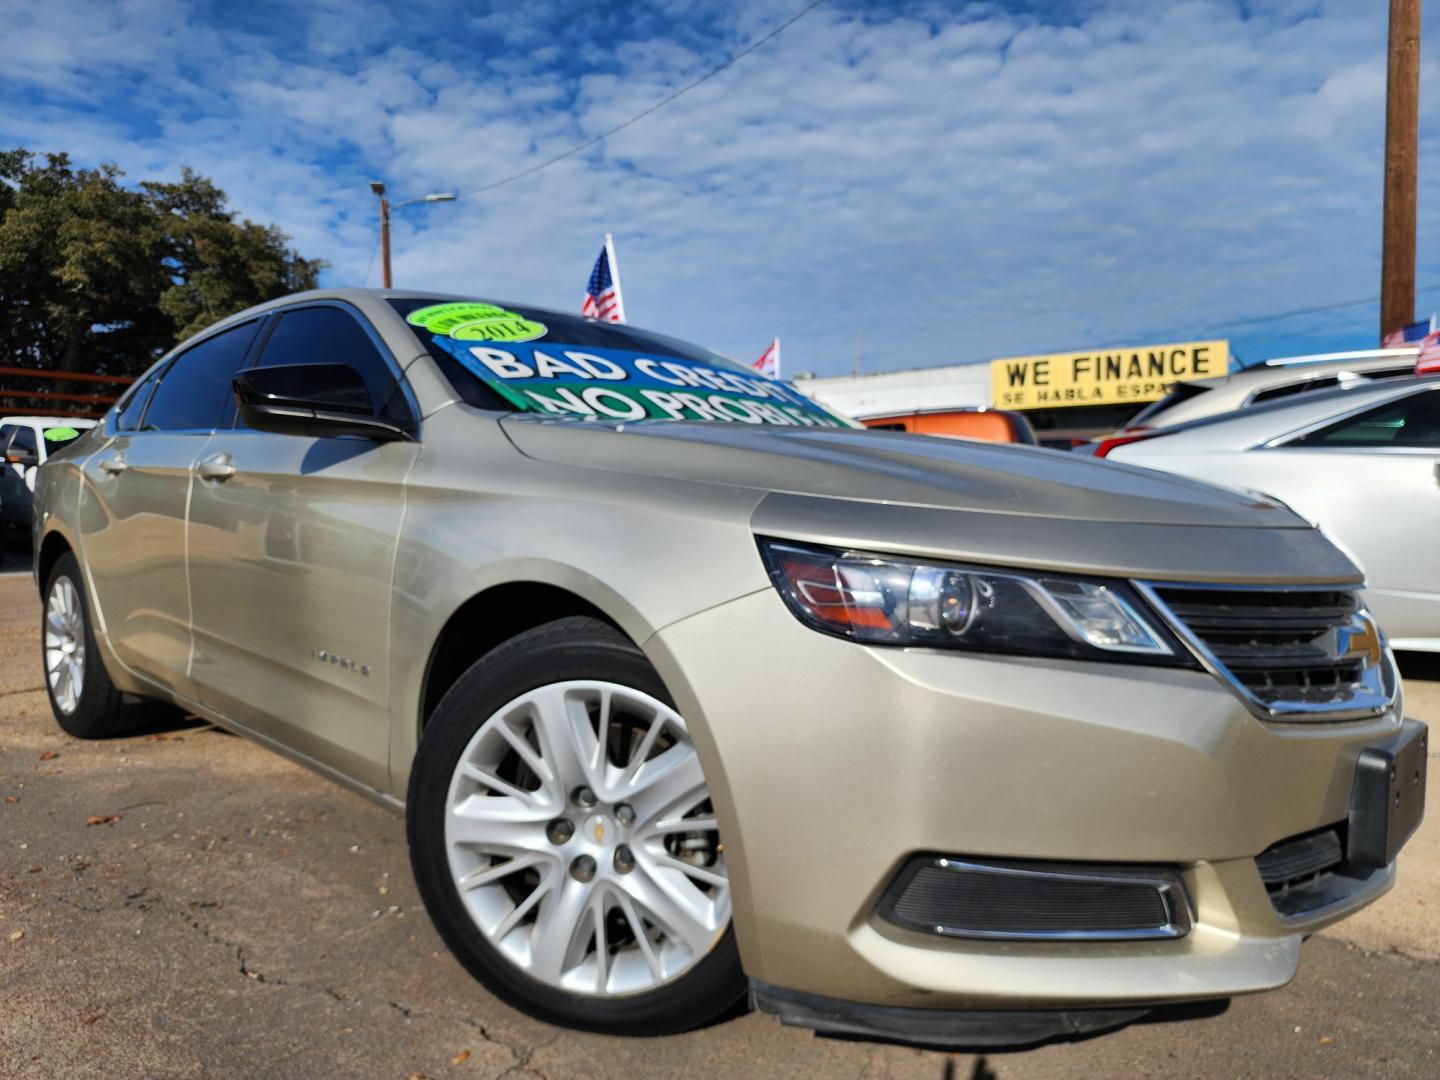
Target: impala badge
x,y
327,657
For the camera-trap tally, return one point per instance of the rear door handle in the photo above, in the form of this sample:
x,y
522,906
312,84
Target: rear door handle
x,y
217,467
114,465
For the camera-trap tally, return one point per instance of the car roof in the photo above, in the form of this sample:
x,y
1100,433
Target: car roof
x,y
1274,418
1299,369
368,301
1197,398
49,421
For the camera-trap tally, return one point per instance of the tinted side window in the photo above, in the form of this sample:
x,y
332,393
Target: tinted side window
x,y
1412,421
328,335
1289,389
128,418
194,391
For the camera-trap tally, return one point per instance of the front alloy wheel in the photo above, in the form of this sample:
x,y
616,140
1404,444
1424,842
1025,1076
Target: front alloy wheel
x,y
564,838
582,842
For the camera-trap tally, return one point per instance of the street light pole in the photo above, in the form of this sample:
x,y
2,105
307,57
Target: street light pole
x,y
1402,119
379,189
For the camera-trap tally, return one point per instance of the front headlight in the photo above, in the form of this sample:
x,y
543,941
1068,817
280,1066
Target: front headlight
x,y
887,601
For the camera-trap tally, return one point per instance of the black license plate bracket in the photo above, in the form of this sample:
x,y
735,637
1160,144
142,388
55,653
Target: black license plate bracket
x,y
1387,801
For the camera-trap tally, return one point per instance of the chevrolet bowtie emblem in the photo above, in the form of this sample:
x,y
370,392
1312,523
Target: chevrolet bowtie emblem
x,y
1362,641
599,832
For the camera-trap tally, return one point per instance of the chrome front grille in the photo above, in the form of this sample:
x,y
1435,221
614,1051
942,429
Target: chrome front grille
x,y
1298,653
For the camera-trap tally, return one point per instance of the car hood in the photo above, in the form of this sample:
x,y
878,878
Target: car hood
x,y
894,468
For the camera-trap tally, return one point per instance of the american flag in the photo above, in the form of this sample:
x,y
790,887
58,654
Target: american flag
x,y
769,362
602,296
1408,335
1428,362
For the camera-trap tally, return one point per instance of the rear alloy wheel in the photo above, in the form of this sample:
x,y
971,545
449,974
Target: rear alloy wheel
x,y
85,702
64,645
571,854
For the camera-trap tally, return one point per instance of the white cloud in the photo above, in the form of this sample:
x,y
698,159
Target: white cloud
x,y
958,183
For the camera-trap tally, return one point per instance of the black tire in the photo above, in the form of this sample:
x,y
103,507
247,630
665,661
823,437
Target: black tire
x,y
103,711
571,648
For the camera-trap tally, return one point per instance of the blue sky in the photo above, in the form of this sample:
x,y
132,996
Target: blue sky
x,y
957,181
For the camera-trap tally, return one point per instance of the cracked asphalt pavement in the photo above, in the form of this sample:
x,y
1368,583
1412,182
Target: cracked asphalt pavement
x,y
188,904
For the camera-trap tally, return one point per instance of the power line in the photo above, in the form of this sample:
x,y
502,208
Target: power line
x,y
1318,309
1255,320
588,143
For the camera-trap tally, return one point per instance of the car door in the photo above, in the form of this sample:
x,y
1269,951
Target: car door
x,y
1371,480
292,545
132,519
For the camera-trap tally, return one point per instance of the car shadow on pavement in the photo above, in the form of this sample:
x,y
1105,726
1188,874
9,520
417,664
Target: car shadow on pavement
x,y
162,719
14,550
979,1071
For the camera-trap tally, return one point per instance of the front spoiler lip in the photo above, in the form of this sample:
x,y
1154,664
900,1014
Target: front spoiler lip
x,y
950,1029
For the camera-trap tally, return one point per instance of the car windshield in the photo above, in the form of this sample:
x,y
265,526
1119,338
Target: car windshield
x,y
61,435
1181,392
500,356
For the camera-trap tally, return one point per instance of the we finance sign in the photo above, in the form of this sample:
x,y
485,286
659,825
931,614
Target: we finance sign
x,y
1109,377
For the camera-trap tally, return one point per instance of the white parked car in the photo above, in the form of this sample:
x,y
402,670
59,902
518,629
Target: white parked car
x,y
1363,464
26,443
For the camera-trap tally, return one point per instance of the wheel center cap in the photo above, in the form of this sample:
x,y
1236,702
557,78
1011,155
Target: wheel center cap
x,y
599,828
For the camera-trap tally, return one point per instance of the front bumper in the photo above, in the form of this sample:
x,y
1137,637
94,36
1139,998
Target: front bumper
x,y
831,763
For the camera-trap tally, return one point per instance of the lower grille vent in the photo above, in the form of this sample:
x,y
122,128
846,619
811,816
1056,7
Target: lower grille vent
x,y
1293,861
1036,900
1309,872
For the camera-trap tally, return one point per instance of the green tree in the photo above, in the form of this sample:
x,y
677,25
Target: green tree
x,y
218,266
97,276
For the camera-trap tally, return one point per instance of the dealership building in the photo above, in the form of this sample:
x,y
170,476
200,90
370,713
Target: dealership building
x,y
1065,396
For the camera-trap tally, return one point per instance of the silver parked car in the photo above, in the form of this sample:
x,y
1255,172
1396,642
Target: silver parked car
x,y
689,690
1363,465
1275,380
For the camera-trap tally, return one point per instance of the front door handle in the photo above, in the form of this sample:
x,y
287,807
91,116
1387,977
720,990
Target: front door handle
x,y
114,465
217,467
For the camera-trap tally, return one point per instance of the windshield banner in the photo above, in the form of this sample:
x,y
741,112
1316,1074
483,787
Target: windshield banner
x,y
616,384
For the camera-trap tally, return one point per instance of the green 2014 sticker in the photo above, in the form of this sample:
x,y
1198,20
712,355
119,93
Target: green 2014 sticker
x,y
468,321
61,434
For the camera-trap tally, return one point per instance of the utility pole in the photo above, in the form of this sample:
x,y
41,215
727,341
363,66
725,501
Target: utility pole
x,y
1402,120
379,189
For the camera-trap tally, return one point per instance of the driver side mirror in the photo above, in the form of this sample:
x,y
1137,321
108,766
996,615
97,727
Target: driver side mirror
x,y
318,400
26,459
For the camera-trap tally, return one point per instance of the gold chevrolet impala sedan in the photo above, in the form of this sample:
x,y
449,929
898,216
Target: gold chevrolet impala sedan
x,y
693,694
